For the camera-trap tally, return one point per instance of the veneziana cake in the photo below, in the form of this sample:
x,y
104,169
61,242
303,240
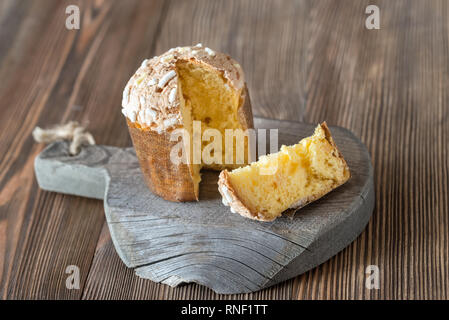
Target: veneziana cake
x,y
170,92
291,178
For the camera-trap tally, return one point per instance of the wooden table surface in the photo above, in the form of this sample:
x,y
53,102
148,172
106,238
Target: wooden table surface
x,y
304,60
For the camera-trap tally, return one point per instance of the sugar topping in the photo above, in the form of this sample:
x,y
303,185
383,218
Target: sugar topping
x,y
144,63
210,52
125,98
150,97
170,122
149,116
166,78
151,113
167,123
167,58
172,95
132,116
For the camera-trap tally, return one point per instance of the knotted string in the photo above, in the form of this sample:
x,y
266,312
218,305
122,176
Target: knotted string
x,y
70,131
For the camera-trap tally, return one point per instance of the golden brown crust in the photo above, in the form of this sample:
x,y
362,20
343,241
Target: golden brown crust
x,y
238,205
245,114
329,138
171,182
228,192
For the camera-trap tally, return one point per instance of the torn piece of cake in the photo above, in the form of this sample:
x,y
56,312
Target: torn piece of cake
x,y
289,179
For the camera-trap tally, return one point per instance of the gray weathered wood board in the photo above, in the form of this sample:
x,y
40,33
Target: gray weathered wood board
x,y
203,241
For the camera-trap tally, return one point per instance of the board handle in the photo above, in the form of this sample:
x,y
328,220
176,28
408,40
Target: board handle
x,y
84,174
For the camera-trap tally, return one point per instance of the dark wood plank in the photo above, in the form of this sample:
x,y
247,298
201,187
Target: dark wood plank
x,y
390,87
26,64
61,75
304,60
264,36
201,242
242,29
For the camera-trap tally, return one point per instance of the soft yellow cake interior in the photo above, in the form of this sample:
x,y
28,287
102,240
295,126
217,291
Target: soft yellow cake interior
x,y
207,96
292,177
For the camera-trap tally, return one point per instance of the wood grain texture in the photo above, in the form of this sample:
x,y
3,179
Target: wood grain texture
x,y
304,60
204,242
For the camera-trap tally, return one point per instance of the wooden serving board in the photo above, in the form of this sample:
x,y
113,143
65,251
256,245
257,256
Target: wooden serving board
x,y
203,241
